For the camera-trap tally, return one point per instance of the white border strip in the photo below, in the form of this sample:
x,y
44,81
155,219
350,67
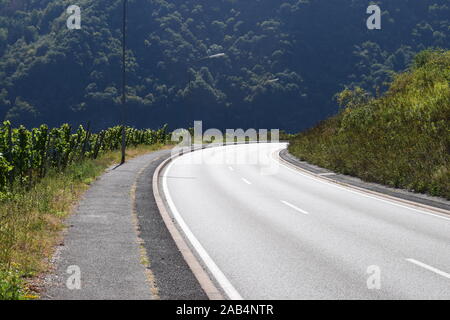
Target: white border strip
x,y
353,189
226,285
294,207
430,268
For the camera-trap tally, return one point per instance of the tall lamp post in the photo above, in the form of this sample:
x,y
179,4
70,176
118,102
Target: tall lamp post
x,y
124,84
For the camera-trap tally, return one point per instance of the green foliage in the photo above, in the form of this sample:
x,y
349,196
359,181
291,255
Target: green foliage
x,y
33,205
401,139
49,74
27,155
10,284
353,98
5,169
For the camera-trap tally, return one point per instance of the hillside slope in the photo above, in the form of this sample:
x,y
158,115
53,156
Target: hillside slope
x,y
49,74
401,139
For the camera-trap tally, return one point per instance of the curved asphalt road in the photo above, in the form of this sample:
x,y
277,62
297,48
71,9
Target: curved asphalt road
x,y
267,231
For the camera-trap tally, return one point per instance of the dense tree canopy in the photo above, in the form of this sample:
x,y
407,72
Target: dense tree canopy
x,y
313,47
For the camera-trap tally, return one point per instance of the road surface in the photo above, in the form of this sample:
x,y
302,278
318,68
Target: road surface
x,y
267,231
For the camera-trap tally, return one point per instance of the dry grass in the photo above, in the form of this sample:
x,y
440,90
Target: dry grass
x,y
31,220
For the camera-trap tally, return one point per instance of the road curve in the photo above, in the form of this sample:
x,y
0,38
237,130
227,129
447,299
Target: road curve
x,y
267,231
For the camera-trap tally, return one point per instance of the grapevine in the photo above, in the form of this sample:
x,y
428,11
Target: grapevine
x,y
27,155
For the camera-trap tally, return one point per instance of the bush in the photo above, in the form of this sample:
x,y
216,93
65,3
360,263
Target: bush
x,y
10,284
400,139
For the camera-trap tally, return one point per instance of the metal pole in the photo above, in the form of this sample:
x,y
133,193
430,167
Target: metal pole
x,y
124,93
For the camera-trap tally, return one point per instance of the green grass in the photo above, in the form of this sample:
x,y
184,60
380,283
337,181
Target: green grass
x,y
31,221
400,139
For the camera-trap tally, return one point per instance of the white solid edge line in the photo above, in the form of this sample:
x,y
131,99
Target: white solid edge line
x,y
246,181
433,269
326,174
210,264
392,202
294,207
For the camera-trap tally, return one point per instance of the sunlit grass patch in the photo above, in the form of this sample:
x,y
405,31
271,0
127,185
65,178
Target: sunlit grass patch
x,y
401,139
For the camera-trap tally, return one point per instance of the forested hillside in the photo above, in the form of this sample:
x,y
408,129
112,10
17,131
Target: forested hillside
x,y
49,74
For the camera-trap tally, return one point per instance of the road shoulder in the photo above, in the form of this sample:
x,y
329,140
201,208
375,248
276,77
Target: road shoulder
x,y
105,242
174,278
434,202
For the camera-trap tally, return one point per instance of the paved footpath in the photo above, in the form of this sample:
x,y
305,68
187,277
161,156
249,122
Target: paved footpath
x,y
102,240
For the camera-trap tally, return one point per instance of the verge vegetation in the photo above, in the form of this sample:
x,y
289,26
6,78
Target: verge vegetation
x,y
401,139
39,185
